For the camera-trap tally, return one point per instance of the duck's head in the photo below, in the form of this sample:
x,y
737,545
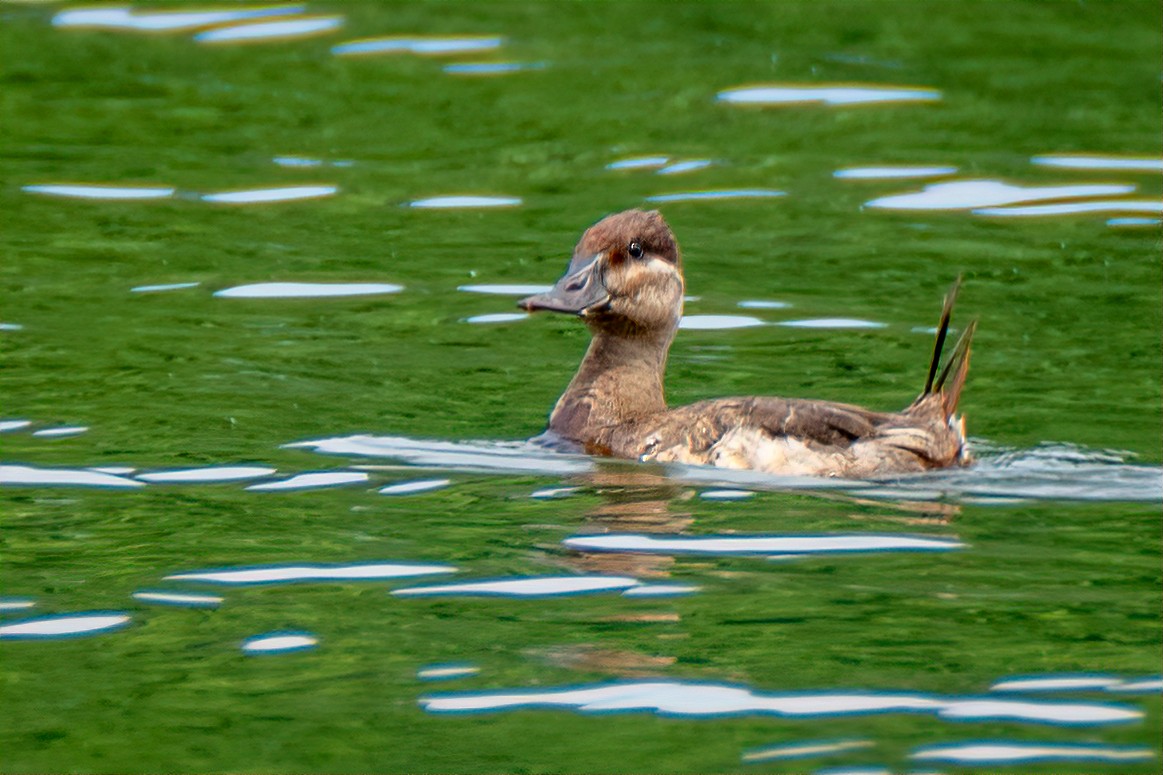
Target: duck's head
x,y
625,275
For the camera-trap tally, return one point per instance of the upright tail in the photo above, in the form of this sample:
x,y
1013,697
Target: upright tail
x,y
957,367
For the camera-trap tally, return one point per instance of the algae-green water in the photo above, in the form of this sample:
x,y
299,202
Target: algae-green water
x,y
1047,560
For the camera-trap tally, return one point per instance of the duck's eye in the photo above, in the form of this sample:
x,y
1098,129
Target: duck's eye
x,y
634,250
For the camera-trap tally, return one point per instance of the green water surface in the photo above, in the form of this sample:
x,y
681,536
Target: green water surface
x,y
1067,351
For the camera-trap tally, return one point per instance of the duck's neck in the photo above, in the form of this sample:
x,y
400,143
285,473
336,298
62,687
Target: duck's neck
x,y
619,381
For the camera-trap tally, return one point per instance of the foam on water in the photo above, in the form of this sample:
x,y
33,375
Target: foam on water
x,y
831,323
97,191
413,488
804,749
126,18
205,475
734,193
306,290
974,194
537,586
287,574
1055,683
312,481
1023,751
424,46
280,29
891,173
718,322
64,626
638,163
1045,472
30,476
497,317
445,672
759,544
157,288
8,426
178,599
268,195
464,201
505,290
825,94
691,699
679,167
1075,208
1098,162
279,643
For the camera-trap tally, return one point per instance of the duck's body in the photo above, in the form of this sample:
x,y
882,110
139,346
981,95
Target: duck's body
x,y
625,280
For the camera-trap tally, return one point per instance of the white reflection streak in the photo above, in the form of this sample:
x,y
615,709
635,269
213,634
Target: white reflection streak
x,y
972,194
1075,208
1121,163
126,18
697,699
63,626
95,191
281,29
280,642
467,201
828,94
809,544
425,46
305,290
311,481
27,475
718,322
1005,751
267,195
525,587
293,573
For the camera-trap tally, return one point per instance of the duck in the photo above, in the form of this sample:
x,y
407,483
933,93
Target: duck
x,y
625,281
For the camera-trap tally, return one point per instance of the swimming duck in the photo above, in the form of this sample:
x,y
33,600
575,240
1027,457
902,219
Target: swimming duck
x,y
625,281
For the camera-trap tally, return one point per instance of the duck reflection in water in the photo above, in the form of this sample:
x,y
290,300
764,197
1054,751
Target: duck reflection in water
x,y
640,500
625,281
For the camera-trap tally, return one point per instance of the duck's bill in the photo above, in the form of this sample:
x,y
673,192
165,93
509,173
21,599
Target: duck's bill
x,y
580,291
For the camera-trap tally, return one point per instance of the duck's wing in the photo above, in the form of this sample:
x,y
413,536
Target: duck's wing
x,y
819,422
696,428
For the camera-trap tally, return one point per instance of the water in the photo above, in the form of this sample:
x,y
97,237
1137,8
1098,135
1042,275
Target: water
x,y
251,533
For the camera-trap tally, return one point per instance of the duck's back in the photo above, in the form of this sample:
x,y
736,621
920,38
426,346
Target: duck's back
x,y
795,437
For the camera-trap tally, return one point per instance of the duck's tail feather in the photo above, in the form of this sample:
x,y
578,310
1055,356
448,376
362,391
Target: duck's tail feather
x,y
942,331
958,367
947,382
